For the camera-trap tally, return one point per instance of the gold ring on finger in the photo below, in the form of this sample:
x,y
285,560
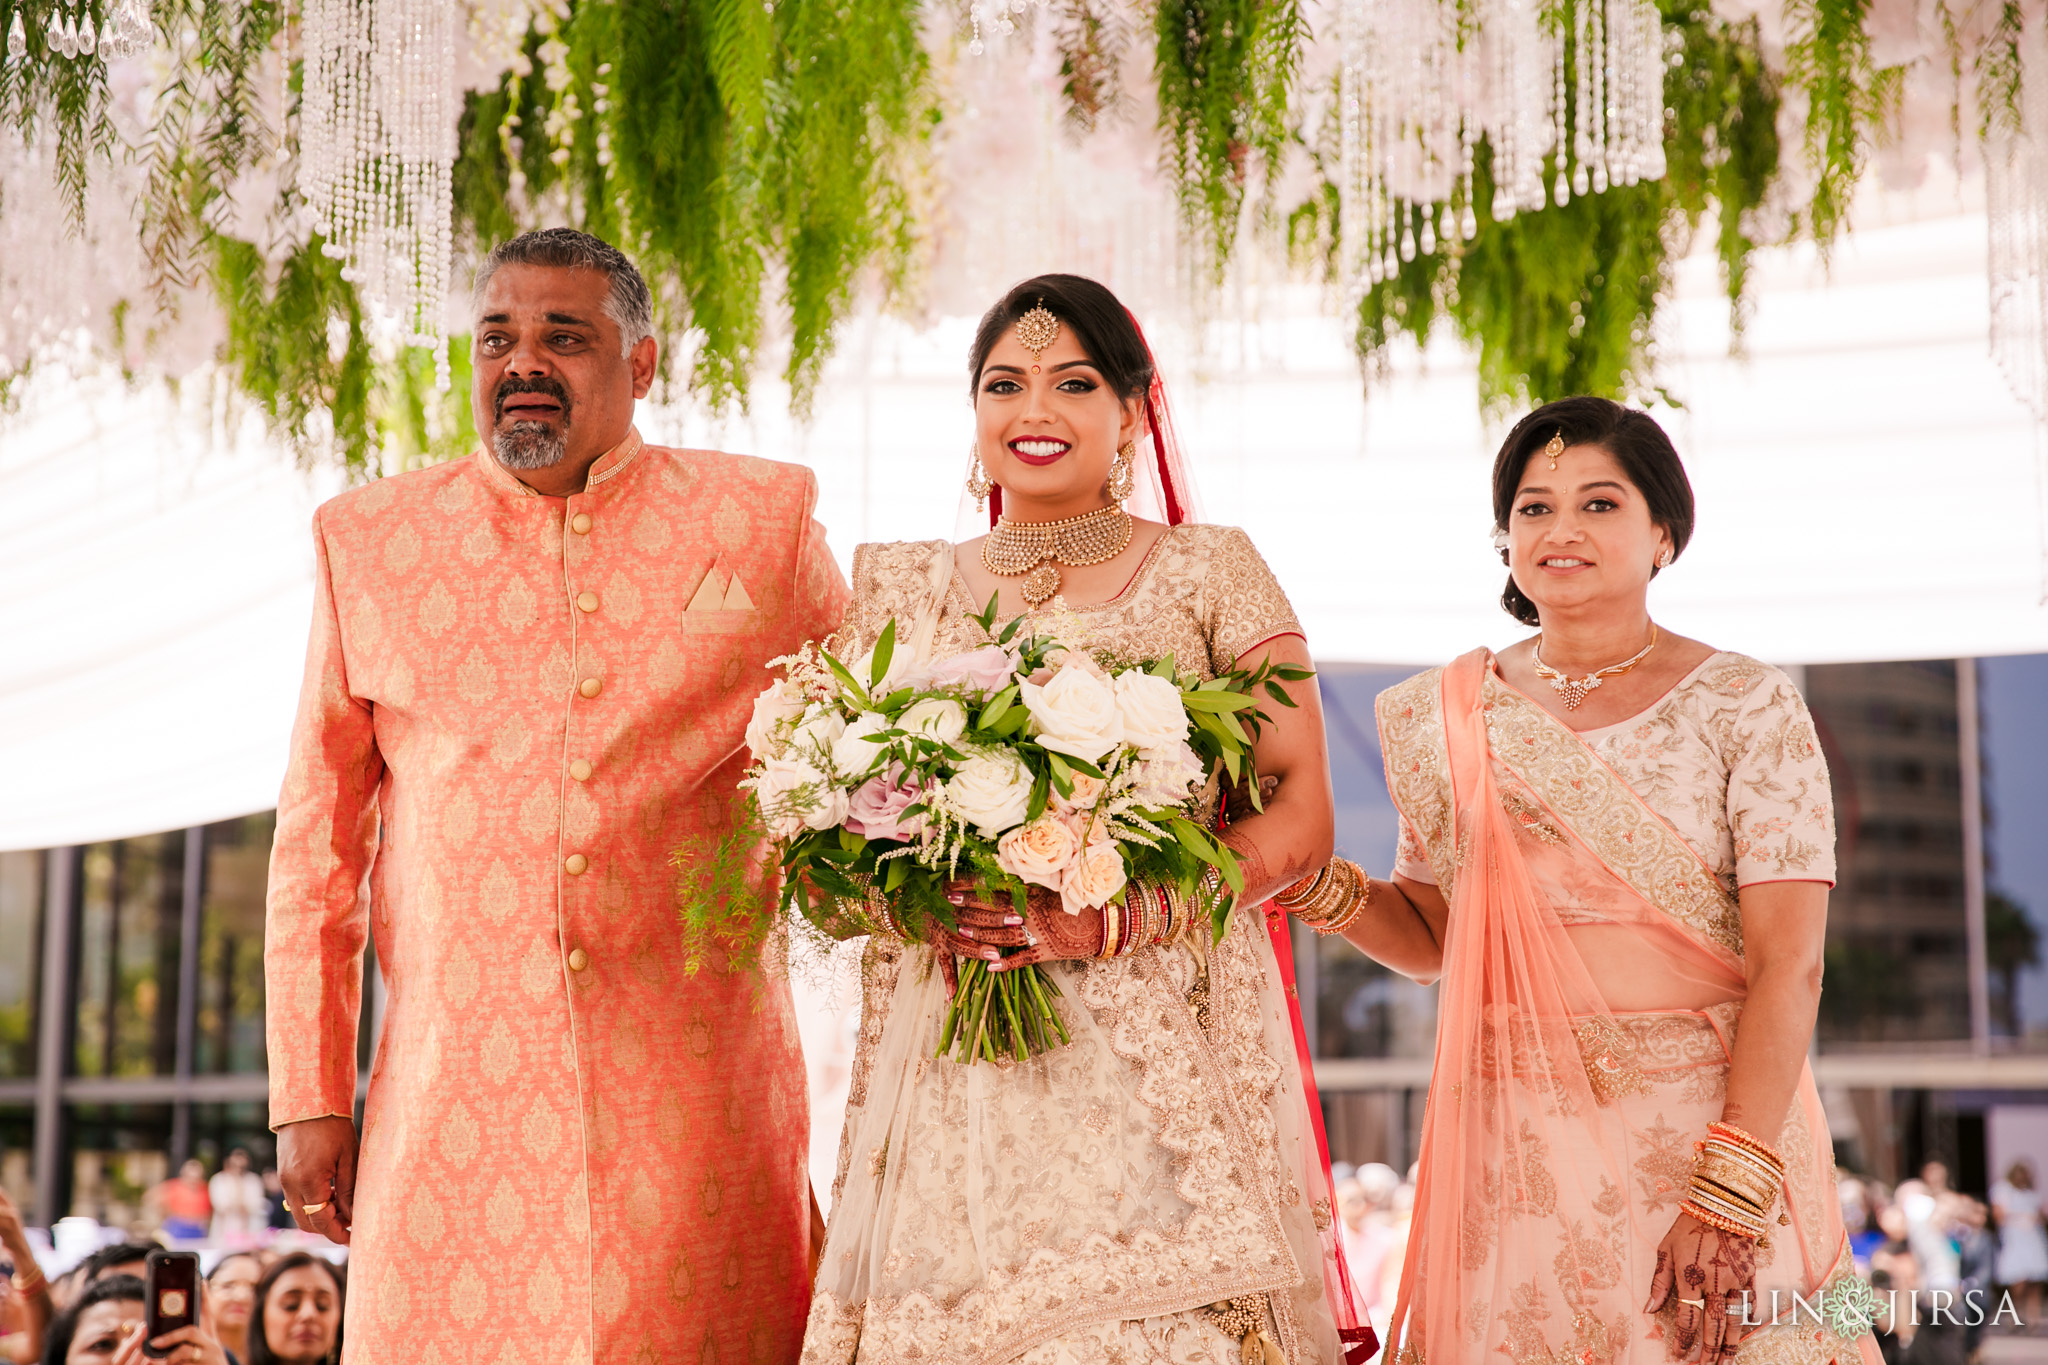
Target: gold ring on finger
x,y
1694,1303
310,1209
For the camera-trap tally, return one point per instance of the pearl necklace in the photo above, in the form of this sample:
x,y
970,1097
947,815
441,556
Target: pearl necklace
x,y
1574,690
1036,549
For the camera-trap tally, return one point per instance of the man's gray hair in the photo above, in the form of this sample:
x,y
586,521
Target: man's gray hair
x,y
629,305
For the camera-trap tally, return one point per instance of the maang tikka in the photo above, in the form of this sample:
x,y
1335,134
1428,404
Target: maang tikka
x,y
1036,331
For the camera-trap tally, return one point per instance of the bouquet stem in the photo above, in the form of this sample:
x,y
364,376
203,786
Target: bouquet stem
x,y
1001,1015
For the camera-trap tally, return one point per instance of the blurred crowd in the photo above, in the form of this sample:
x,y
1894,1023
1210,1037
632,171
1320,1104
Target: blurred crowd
x,y
1948,1268
1374,1203
262,1300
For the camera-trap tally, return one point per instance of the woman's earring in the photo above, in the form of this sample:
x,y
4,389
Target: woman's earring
x,y
1664,558
978,481
1123,476
1500,544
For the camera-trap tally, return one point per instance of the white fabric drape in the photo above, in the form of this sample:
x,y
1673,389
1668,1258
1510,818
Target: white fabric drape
x,y
1868,490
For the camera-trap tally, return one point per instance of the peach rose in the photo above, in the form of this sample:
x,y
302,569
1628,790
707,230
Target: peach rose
x,y
1039,852
1095,876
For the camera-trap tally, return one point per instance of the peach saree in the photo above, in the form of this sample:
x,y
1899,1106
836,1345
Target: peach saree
x,y
1557,1142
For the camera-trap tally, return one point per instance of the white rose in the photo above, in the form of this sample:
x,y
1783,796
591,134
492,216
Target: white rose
x,y
939,718
1076,713
1154,719
793,794
780,703
854,755
1095,876
992,791
1039,852
817,732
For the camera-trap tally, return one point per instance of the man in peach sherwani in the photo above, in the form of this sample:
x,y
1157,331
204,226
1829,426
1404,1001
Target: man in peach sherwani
x,y
529,677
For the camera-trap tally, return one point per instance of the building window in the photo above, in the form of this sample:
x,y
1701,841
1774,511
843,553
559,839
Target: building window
x,y
21,957
229,1029
131,906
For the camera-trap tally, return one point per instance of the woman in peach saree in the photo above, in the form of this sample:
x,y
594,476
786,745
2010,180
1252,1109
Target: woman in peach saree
x,y
1616,850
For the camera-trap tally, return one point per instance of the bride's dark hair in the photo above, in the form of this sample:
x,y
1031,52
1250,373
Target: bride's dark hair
x,y
1637,444
1101,324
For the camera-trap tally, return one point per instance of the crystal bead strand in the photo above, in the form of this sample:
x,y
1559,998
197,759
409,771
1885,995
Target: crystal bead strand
x,y
377,134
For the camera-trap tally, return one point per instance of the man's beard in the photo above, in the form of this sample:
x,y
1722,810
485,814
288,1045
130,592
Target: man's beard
x,y
530,444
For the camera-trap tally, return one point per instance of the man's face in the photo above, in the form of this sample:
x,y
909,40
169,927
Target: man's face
x,y
550,382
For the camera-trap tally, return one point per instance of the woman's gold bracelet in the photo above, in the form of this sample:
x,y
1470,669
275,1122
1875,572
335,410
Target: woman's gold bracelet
x,y
1331,899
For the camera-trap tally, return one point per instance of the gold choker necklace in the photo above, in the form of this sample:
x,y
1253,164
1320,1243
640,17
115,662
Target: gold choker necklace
x,y
1574,690
1036,549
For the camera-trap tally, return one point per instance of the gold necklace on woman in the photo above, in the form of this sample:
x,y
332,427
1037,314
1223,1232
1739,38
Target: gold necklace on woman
x,y
1574,690
1036,549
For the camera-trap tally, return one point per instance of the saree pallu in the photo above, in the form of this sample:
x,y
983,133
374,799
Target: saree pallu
x,y
1558,1139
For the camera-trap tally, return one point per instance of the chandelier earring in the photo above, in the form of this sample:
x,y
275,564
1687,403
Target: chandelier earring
x,y
1123,474
979,484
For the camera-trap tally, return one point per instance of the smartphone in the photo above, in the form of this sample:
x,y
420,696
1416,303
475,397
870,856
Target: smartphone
x,y
170,1296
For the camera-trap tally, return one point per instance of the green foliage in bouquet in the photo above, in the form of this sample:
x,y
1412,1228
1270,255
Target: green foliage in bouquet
x,y
1563,300
830,872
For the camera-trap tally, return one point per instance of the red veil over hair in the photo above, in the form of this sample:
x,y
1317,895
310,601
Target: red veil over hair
x,y
1165,492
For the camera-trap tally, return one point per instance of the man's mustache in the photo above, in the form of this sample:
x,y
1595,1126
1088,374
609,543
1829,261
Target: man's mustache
x,y
507,388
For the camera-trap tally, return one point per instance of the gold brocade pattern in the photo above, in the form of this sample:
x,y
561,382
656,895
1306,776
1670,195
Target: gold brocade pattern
x,y
1089,1202
1592,799
1729,758
1419,770
576,1147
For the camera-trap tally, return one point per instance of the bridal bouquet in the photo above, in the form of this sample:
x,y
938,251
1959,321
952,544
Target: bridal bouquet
x,y
1022,763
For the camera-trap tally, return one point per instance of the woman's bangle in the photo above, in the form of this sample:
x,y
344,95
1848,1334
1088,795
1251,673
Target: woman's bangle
x,y
1331,899
31,1284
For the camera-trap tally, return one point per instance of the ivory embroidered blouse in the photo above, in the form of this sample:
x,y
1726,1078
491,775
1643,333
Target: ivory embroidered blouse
x,y
1730,759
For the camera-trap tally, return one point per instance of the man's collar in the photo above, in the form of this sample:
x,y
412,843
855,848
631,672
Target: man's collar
x,y
608,464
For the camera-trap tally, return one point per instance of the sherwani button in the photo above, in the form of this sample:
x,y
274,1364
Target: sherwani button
x,y
580,770
575,863
590,687
588,601
578,959
580,523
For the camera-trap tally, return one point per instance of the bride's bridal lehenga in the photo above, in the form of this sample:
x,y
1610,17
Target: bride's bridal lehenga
x,y
1155,1189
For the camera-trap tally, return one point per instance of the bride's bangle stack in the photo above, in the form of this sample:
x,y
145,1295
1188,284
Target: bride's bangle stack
x,y
1151,914
1735,1181
1330,900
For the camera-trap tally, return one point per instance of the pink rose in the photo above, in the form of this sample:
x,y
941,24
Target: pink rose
x,y
1095,876
987,669
1039,852
877,805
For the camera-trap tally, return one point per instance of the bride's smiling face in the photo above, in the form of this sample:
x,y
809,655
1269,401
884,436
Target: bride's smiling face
x,y
1048,426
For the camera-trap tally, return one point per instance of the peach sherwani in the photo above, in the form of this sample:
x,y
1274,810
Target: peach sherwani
x,y
515,708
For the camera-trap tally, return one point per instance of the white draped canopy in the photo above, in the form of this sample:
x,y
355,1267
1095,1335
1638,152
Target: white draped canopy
x,y
1868,489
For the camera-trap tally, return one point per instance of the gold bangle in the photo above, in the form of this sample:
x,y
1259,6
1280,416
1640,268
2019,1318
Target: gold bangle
x,y
1349,917
1112,926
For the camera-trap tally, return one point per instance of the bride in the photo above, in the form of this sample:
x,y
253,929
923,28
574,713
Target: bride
x,y
1156,1189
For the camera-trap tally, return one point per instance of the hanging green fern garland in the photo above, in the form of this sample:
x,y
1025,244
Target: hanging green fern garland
x,y
729,145
1226,70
